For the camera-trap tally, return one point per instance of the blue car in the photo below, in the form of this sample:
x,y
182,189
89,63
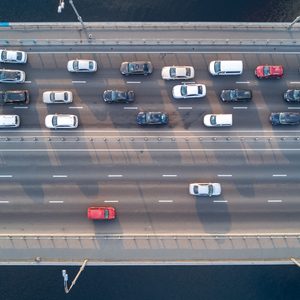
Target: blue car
x,y
152,118
285,118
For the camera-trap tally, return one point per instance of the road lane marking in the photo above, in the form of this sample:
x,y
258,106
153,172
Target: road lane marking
x,y
295,82
240,107
4,201
75,107
78,81
21,107
169,175
111,201
28,81
114,175
279,175
133,82
6,176
59,176
56,201
220,201
290,107
274,200
165,201
185,107
242,82
130,107
224,175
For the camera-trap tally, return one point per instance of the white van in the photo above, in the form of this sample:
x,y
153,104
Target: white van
x,y
8,121
226,67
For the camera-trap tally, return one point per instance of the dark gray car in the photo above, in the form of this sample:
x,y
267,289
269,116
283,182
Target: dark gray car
x,y
236,95
136,68
118,96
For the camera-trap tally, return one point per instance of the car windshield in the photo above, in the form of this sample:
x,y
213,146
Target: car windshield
x,y
266,70
54,121
133,67
115,95
19,55
15,97
289,118
91,65
217,66
188,71
172,72
183,90
9,75
233,94
65,96
195,189
210,189
296,94
75,65
106,213
4,55
52,96
146,69
213,120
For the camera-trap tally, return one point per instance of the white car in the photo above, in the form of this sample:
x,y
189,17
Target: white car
x,y
57,97
61,121
217,120
189,90
205,189
82,65
13,56
177,72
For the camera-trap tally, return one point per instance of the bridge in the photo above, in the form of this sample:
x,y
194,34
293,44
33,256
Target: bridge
x,y
49,178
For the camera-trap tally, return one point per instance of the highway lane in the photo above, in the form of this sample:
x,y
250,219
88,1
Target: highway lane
x,y
44,192
48,71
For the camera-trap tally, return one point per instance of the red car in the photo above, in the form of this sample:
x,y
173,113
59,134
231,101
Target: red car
x,y
269,72
101,213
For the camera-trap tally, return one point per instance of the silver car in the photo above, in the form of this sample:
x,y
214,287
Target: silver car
x,y
63,121
12,76
54,97
205,189
177,72
13,56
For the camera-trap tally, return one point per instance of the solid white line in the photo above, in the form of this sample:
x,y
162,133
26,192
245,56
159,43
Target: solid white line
x,y
75,107
279,175
4,201
78,81
133,82
169,175
59,176
185,107
111,201
274,201
130,107
21,107
242,82
165,201
295,82
27,81
224,175
220,201
240,107
290,107
114,175
6,176
56,201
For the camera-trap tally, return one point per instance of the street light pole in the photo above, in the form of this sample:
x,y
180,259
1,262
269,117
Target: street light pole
x,y
295,21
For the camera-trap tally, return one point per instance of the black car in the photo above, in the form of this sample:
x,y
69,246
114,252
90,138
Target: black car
x,y
152,118
117,96
235,95
285,118
136,68
292,96
14,97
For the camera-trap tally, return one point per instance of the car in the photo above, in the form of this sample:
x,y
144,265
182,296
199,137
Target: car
x,y
292,96
82,65
54,97
12,76
14,97
189,90
13,56
177,72
63,121
136,68
9,121
266,71
235,95
152,118
205,189
217,120
101,213
118,96
225,67
285,118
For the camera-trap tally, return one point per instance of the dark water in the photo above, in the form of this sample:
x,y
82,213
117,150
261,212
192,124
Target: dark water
x,y
153,283
151,10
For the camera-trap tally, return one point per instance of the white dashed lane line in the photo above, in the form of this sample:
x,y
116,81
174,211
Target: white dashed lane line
x,y
27,81
133,82
279,175
20,107
56,201
130,107
295,82
242,82
78,81
114,175
4,202
275,201
185,107
111,201
75,107
59,176
6,176
240,107
169,175
224,175
165,201
291,107
220,201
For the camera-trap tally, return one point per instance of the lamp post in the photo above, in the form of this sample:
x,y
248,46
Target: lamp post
x,y
295,21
